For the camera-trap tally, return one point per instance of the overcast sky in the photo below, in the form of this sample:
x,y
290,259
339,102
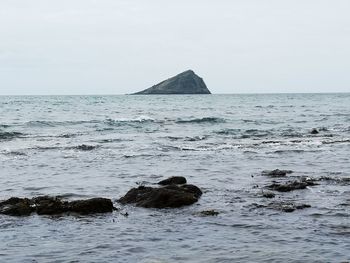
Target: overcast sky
x,y
122,46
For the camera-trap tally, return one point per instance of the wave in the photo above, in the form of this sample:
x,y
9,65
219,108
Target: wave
x,y
201,120
140,119
196,138
109,121
10,135
81,147
253,133
228,132
112,140
245,134
14,153
259,122
336,141
58,123
291,151
68,135
138,155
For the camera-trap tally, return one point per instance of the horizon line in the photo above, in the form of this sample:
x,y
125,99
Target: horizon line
x,y
123,94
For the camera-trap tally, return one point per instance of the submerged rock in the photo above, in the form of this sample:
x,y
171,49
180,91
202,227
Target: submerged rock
x,y
287,207
208,213
290,186
277,173
268,195
47,205
336,180
168,196
314,131
184,83
173,180
283,206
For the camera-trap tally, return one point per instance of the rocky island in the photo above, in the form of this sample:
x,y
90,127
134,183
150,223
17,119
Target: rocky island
x,y
184,83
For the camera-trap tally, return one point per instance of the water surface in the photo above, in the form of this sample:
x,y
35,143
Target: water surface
x,y
220,143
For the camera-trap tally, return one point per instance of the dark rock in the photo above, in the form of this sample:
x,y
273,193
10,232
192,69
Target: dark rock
x,y
287,207
290,186
169,196
314,131
46,205
268,195
16,207
184,83
302,206
190,188
173,180
208,213
91,206
277,173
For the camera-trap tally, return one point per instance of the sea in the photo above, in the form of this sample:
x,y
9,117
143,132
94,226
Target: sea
x,y
78,147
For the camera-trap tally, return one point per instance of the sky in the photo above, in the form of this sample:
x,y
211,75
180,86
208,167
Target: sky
x,y
123,46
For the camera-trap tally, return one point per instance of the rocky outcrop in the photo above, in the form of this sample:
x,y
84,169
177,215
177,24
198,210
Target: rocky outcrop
x,y
184,83
168,196
46,205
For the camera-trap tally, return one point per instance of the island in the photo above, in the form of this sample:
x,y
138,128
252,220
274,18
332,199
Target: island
x,y
184,83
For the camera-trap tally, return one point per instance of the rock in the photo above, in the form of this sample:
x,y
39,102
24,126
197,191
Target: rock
x,y
46,205
268,195
290,186
91,206
208,213
173,180
169,196
314,131
16,207
190,188
335,180
184,83
277,173
287,207
302,206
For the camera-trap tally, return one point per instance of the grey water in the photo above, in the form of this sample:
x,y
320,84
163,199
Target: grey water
x,y
88,146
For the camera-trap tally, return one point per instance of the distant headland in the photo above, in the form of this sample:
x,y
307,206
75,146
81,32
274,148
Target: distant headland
x,y
184,83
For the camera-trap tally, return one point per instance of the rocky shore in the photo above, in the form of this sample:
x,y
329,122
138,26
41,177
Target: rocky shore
x,y
172,192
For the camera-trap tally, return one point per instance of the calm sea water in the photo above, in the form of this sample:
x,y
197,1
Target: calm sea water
x,y
220,143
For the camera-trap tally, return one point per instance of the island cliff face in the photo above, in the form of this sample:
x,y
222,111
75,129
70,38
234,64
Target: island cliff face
x,y
184,83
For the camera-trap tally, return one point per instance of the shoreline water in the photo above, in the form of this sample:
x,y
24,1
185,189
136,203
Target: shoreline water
x,y
219,143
